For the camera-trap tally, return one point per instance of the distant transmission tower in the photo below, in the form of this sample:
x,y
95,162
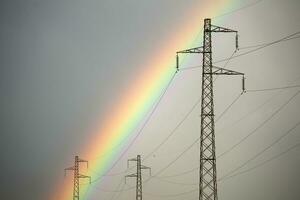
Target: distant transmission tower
x,y
138,175
208,172
77,176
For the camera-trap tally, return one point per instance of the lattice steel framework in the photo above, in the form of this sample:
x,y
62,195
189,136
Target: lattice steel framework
x,y
138,175
208,171
77,176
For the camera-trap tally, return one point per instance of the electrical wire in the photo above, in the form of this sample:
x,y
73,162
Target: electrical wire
x,y
141,129
180,174
228,107
244,171
173,131
262,151
286,38
283,39
276,88
263,163
171,195
189,147
263,44
232,172
262,47
243,139
238,9
259,126
257,108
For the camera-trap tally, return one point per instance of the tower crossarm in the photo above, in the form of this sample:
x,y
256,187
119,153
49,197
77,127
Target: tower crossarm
x,y
128,161
83,161
145,167
215,28
222,71
69,169
130,176
192,50
84,176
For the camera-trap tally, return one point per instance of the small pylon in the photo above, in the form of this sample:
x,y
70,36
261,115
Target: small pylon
x,y
138,175
77,176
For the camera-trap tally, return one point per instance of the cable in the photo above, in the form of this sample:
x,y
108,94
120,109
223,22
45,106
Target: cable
x,y
271,89
171,195
166,139
259,48
257,108
263,151
231,173
173,131
286,38
225,65
263,44
180,174
228,107
141,129
260,126
195,141
176,183
263,163
181,154
243,139
239,9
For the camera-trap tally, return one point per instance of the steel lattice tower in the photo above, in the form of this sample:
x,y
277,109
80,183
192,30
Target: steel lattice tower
x,y
208,171
138,175
77,176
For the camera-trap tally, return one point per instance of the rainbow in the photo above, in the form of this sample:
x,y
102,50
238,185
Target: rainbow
x,y
144,92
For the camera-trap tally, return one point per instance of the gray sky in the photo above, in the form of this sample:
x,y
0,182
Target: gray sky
x,y
65,63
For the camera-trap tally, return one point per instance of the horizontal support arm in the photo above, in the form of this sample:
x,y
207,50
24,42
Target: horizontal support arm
x,y
145,167
69,168
193,50
84,176
221,29
130,176
222,71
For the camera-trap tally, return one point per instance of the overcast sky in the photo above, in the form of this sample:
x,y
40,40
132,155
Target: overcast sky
x,y
66,63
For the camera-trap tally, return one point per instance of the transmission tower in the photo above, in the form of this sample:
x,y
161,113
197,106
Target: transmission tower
x,y
77,176
137,175
208,171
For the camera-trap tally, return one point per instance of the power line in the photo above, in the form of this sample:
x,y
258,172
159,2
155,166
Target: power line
x,y
263,44
231,173
238,9
172,195
180,174
220,61
174,130
142,128
264,162
260,125
173,182
257,108
243,139
241,172
271,89
260,46
198,101
191,145
262,151
228,107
